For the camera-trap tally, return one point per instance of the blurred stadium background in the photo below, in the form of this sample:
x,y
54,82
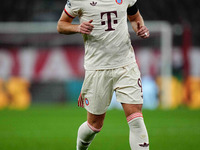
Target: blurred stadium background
x,y
41,74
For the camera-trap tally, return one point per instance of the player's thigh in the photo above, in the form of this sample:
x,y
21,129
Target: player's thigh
x,y
97,91
95,120
131,108
129,87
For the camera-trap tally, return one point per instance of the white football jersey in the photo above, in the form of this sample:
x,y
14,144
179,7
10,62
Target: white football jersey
x,y
108,46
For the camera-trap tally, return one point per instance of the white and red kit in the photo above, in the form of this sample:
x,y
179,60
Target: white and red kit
x,y
108,46
109,57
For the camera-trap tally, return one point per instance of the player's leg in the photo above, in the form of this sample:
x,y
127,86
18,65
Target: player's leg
x,y
138,136
95,97
88,130
95,121
128,89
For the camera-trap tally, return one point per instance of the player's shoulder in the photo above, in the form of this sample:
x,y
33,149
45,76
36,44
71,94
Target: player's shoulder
x,y
132,2
77,1
72,3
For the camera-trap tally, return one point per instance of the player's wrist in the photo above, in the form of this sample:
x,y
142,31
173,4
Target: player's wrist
x,y
77,29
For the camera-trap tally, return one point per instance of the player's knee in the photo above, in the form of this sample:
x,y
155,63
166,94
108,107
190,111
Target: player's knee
x,y
95,126
130,109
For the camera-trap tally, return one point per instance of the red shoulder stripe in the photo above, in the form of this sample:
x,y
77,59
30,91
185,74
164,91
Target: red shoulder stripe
x,y
68,14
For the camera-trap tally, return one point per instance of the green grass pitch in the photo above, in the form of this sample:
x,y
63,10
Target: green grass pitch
x,y
53,127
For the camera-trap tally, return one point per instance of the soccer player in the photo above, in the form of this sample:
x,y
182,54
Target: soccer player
x,y
109,63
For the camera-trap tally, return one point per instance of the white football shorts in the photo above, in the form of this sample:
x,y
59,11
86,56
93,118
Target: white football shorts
x,y
98,87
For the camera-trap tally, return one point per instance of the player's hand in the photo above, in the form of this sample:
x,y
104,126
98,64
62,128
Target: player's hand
x,y
86,27
142,31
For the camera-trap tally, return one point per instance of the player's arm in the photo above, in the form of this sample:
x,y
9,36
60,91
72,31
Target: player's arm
x,y
65,25
137,22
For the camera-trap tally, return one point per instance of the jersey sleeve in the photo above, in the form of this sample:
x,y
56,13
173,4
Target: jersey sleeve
x,y
132,10
132,2
71,8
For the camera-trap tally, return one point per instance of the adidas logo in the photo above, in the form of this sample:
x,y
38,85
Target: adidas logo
x,y
93,3
144,145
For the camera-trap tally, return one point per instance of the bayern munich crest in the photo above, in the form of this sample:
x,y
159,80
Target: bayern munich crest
x,y
119,1
86,102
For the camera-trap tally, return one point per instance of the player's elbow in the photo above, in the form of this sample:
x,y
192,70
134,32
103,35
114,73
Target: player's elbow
x,y
59,29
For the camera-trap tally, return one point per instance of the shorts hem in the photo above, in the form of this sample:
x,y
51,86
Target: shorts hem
x,y
94,113
138,102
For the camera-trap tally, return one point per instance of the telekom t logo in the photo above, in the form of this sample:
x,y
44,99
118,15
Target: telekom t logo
x,y
109,19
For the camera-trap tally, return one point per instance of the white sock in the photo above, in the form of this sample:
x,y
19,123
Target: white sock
x,y
86,134
138,137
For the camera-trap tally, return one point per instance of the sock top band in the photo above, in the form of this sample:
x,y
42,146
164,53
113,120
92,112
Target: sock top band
x,y
93,128
133,116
